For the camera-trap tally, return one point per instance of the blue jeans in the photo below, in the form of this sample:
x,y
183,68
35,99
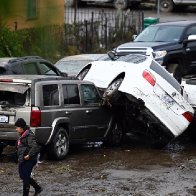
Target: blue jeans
x,y
25,169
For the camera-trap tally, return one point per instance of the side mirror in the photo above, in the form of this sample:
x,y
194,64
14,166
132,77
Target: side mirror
x,y
190,38
134,36
112,55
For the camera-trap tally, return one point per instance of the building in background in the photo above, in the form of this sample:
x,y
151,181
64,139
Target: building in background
x,y
29,13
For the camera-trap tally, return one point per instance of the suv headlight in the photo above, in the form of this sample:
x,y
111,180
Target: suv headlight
x,y
159,54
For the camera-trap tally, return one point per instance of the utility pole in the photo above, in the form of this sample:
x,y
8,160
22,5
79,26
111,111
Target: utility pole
x,y
158,8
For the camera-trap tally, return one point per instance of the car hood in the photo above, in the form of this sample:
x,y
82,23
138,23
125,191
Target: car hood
x,y
153,45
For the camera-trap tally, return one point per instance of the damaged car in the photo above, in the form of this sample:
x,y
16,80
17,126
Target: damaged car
x,y
150,101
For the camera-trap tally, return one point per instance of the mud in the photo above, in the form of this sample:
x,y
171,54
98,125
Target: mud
x,y
134,169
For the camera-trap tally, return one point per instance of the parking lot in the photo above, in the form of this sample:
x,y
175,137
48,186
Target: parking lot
x,y
132,169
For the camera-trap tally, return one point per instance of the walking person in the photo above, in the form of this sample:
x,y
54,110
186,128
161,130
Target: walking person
x,y
27,150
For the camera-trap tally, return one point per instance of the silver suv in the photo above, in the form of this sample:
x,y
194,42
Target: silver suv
x,y
58,110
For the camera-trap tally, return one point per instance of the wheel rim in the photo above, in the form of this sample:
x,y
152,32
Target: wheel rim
x,y
166,5
61,145
113,87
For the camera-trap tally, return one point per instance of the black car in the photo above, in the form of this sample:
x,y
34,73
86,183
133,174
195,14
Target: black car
x,y
172,44
28,65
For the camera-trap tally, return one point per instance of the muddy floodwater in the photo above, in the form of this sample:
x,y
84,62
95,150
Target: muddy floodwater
x,y
132,169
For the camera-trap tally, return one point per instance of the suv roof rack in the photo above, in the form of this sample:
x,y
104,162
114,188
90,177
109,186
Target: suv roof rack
x,y
23,58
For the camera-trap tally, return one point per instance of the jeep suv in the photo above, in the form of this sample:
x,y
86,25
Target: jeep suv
x,y
28,65
172,44
59,112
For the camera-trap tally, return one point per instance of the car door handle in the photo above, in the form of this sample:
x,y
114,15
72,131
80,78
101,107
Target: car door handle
x,y
67,112
88,111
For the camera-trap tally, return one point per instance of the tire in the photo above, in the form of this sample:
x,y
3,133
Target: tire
x,y
82,74
112,90
115,135
59,147
120,4
175,69
166,5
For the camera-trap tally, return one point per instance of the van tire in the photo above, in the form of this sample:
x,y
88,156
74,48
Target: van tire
x,y
166,5
59,147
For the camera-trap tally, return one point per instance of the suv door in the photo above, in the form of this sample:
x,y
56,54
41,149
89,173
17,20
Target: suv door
x,y
97,117
73,111
87,119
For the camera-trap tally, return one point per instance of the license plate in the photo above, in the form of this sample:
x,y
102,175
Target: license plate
x,y
168,100
4,119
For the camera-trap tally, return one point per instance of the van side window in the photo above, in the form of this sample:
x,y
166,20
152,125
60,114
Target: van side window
x,y
50,95
90,94
71,94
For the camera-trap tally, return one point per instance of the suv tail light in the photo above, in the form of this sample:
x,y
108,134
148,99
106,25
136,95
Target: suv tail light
x,y
35,119
149,77
188,116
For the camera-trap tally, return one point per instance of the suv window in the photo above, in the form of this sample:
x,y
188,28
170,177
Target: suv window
x,y
90,94
45,69
30,68
191,31
50,95
12,98
17,68
71,94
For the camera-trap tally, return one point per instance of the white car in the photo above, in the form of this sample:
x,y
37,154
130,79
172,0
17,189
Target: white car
x,y
71,65
148,99
189,86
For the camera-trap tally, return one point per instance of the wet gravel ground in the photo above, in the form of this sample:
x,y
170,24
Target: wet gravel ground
x,y
128,170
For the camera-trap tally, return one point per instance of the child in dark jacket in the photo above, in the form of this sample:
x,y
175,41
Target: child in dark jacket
x,y
28,150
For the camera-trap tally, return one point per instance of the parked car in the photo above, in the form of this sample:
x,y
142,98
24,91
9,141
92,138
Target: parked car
x,y
73,64
28,65
119,4
59,111
170,5
172,44
149,99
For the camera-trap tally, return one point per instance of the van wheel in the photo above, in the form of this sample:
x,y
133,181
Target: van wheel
x,y
59,147
120,4
115,135
166,5
112,90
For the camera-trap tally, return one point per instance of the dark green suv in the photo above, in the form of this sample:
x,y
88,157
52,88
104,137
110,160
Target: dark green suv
x,y
59,112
